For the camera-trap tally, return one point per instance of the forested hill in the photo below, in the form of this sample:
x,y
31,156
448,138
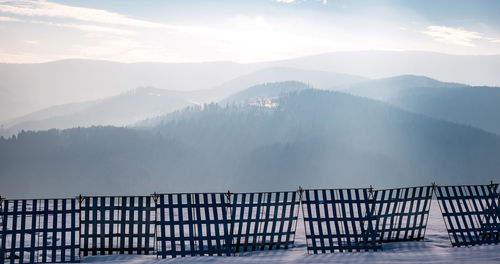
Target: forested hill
x,y
478,106
312,138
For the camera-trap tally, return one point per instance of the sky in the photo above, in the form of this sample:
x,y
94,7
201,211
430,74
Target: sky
x,y
240,31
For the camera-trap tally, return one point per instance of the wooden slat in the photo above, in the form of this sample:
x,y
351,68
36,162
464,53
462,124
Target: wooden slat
x,y
117,225
35,231
339,220
471,213
397,212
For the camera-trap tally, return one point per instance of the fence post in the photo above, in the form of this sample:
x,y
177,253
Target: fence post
x,y
229,205
301,209
370,190
228,196
80,200
230,220
155,197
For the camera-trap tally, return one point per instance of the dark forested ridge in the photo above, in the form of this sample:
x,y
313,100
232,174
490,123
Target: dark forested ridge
x,y
257,93
311,138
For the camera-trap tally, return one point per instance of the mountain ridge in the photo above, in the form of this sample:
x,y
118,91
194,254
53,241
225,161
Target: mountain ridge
x,y
477,106
312,138
68,81
119,110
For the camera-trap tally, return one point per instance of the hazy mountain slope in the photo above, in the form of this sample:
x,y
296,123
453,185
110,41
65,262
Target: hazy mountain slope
x,y
258,95
120,110
468,69
63,82
340,139
138,106
25,88
265,91
50,112
316,79
476,106
386,88
471,105
314,139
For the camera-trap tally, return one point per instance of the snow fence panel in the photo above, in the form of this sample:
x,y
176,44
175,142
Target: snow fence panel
x,y
40,231
471,213
264,221
212,213
2,245
401,213
19,231
117,225
193,225
339,220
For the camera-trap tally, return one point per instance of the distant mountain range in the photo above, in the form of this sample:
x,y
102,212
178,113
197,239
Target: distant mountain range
x,y
120,110
477,106
248,127
317,79
263,92
469,105
387,88
312,138
476,70
26,88
142,103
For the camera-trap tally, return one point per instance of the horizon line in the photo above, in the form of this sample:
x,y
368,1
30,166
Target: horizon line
x,y
243,63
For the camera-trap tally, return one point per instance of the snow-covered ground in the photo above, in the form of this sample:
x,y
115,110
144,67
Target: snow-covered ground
x,y
436,248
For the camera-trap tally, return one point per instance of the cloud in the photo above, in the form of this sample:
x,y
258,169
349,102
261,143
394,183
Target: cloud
x,y
88,28
110,47
55,10
242,38
324,2
8,19
29,8
454,36
493,40
22,58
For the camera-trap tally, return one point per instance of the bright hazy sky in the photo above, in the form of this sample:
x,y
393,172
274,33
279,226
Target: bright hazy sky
x,y
241,31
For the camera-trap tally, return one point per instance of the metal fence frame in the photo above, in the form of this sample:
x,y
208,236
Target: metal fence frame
x,y
117,225
402,213
2,245
205,231
471,213
27,225
238,222
264,220
346,216
224,224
